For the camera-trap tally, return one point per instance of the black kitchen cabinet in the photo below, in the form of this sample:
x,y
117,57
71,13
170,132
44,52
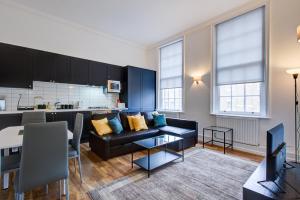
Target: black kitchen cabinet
x,y
79,71
51,67
7,120
21,66
134,89
62,68
16,66
148,97
44,66
114,72
139,93
98,73
69,117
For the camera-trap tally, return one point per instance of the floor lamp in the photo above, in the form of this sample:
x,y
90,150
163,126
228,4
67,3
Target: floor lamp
x,y
295,73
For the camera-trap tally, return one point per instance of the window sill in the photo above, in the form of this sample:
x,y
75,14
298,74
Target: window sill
x,y
242,116
170,111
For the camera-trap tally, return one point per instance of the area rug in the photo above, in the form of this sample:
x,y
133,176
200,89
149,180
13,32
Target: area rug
x,y
204,174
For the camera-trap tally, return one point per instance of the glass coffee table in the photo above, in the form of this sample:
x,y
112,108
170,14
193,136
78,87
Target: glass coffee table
x,y
160,158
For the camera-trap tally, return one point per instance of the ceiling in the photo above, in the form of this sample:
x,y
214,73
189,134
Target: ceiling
x,y
143,22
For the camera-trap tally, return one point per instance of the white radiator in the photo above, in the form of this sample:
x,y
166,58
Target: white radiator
x,y
245,130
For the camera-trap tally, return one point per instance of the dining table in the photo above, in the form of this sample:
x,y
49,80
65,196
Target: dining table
x,y
11,138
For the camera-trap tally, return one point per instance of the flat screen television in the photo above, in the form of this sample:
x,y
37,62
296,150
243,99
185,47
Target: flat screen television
x,y
276,152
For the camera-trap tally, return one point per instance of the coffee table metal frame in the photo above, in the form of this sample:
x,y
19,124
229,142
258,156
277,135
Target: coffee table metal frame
x,y
158,159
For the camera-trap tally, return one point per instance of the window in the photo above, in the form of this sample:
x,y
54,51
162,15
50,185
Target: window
x,y
171,77
239,69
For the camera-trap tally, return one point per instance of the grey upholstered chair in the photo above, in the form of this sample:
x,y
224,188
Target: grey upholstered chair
x,y
74,148
44,157
10,163
33,117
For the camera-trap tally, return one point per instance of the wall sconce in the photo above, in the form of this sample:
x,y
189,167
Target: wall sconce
x,y
197,79
298,33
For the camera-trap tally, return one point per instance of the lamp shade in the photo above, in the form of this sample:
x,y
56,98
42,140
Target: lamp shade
x,y
298,33
293,70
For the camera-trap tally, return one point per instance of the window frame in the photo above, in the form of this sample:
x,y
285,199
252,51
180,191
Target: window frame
x,y
180,39
264,89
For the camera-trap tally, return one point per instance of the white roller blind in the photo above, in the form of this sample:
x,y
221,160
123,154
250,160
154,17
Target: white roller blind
x,y
240,49
171,64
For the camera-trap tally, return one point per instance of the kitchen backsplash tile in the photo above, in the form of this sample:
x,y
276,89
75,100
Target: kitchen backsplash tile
x,y
46,92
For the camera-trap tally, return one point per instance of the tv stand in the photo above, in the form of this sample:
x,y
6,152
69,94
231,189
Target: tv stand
x,y
288,182
274,182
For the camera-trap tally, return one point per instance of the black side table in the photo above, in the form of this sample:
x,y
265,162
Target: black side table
x,y
218,129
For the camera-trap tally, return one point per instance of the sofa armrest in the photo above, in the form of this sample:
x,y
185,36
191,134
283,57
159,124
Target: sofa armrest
x,y
182,123
99,145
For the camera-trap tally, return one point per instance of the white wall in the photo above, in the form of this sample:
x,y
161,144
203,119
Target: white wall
x,y
284,53
25,27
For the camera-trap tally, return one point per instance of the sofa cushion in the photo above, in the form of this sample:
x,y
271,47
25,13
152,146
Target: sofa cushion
x,y
124,120
181,132
115,125
160,120
129,136
148,118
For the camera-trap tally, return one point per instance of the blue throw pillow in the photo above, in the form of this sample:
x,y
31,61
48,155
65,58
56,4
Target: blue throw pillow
x,y
159,120
115,125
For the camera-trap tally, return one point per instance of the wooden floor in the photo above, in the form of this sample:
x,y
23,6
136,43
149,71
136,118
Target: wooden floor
x,y
97,172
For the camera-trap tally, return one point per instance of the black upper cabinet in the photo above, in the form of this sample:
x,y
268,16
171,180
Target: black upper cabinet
x,y
148,90
51,67
16,66
43,68
114,72
62,68
20,66
79,71
98,73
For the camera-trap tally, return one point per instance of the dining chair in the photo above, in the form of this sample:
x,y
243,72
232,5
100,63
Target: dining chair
x,y
74,148
10,163
44,157
33,117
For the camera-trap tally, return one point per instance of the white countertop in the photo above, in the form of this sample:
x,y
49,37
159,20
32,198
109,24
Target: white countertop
x,y
63,110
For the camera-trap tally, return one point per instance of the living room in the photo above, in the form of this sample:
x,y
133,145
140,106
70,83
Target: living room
x,y
154,102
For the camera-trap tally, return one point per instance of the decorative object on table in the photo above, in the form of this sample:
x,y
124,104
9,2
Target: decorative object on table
x,y
218,129
204,174
102,127
159,120
295,72
115,125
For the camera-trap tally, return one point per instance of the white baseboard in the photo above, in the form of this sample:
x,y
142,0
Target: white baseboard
x,y
257,150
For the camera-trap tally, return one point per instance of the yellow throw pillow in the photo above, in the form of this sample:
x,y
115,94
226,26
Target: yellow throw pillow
x,y
102,127
129,118
139,123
